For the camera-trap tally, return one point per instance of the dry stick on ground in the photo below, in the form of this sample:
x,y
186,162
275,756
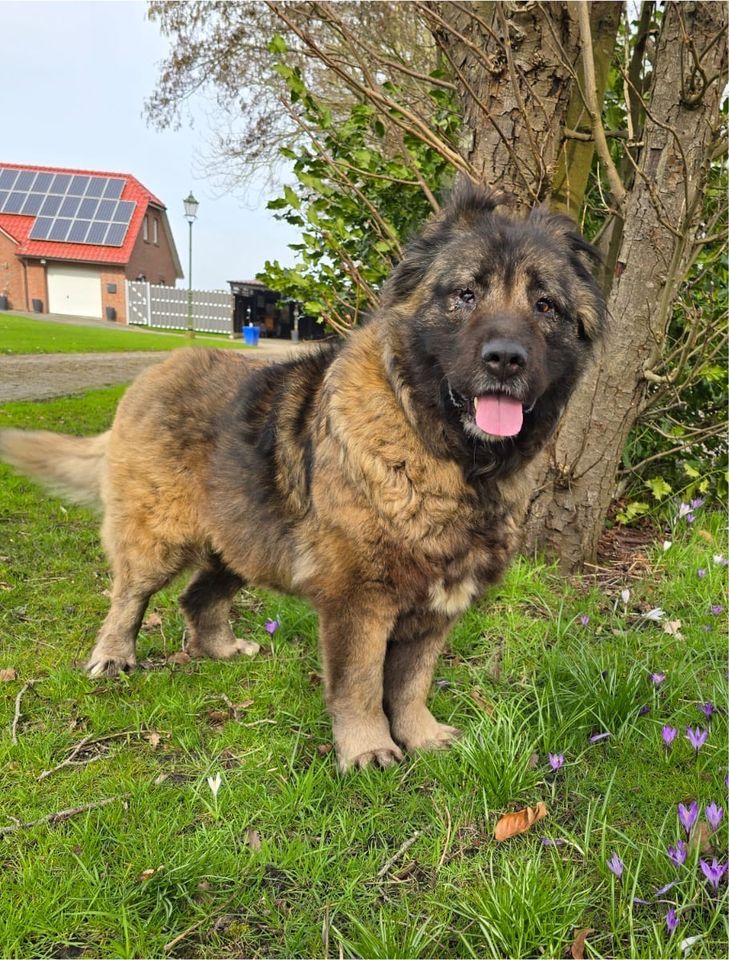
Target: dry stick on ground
x,y
16,717
405,846
60,815
87,742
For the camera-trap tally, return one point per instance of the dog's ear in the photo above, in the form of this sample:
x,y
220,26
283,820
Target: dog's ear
x,y
467,203
470,200
589,297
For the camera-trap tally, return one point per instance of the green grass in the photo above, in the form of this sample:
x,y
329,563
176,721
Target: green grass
x,y
286,860
26,335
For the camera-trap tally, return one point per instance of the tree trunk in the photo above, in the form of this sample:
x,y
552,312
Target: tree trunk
x,y
660,221
513,64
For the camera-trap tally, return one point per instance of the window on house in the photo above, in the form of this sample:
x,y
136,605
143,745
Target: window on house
x,y
155,231
145,229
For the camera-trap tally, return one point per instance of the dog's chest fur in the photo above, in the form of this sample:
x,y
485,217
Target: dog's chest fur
x,y
413,520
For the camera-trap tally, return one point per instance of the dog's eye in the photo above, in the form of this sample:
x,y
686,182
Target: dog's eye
x,y
546,307
466,295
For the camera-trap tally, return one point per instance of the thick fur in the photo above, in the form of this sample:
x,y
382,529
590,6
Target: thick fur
x,y
355,477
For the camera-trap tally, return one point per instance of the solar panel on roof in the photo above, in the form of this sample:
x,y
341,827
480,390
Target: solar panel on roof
x,y
115,235
59,230
50,206
78,231
77,208
95,187
25,180
14,203
41,228
32,204
42,182
61,182
114,189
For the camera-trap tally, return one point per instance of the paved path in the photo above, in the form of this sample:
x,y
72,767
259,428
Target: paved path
x,y
39,376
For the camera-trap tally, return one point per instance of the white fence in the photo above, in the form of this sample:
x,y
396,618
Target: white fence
x,y
153,305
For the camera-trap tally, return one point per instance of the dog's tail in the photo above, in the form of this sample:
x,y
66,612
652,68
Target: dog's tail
x,y
71,467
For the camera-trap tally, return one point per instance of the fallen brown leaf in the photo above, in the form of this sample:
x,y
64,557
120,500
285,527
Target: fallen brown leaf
x,y
512,824
253,839
180,658
150,872
486,705
323,749
700,838
673,629
577,950
152,621
153,739
243,705
705,535
8,673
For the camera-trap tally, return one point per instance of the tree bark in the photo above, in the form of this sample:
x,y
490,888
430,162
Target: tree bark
x,y
660,221
513,64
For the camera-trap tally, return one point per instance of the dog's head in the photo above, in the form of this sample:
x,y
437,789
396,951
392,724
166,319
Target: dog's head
x,y
493,318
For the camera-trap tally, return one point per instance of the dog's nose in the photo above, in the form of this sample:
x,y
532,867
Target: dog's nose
x,y
504,358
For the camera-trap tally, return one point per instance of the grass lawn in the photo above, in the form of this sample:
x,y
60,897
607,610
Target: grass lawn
x,y
288,859
25,335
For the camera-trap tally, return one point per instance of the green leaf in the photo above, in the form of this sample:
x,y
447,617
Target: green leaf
x,y
659,488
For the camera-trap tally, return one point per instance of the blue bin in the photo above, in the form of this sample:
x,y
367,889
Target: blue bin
x,y
251,335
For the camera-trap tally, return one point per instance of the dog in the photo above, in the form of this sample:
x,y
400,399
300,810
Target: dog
x,y
384,477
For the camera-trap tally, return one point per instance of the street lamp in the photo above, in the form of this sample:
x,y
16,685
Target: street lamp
x,y
191,206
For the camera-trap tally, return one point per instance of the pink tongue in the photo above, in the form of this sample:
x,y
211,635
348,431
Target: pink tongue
x,y
499,415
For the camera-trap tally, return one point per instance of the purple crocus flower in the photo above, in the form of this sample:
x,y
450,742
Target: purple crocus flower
x,y
701,573
697,738
707,708
644,710
556,760
713,814
671,921
716,609
665,889
442,684
697,503
549,842
597,737
688,815
690,517
683,510
272,626
677,854
615,865
713,871
658,678
584,619
669,734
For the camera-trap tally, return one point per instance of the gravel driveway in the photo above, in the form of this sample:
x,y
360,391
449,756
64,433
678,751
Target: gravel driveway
x,y
44,375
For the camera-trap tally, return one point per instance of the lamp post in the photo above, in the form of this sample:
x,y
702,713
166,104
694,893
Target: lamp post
x,y
191,206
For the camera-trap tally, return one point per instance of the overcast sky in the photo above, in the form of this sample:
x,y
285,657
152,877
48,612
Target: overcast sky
x,y
76,78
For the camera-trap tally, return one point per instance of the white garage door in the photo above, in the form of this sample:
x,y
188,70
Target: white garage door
x,y
74,290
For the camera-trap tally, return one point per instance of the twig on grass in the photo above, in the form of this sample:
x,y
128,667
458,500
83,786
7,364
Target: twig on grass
x,y
398,853
198,923
87,741
16,718
60,815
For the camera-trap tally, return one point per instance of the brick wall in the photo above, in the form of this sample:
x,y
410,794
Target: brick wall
x,y
150,260
114,276
11,274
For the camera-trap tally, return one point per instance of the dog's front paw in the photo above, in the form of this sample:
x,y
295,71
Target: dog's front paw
x,y
105,665
357,751
424,732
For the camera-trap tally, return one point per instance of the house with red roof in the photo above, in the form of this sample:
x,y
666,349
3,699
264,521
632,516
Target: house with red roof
x,y
69,239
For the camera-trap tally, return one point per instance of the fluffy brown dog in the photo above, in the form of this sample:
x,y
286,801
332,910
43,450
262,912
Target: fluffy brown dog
x,y
383,478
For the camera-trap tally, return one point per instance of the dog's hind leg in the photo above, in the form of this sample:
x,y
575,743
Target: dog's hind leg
x,y
206,604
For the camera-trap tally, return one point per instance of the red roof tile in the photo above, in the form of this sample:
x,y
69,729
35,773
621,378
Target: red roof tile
x,y
19,227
